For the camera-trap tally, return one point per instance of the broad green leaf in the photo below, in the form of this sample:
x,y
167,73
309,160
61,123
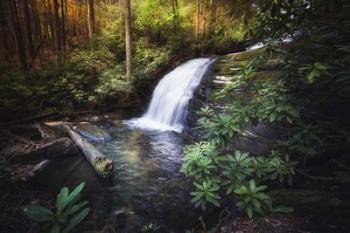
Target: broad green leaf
x,y
38,213
76,220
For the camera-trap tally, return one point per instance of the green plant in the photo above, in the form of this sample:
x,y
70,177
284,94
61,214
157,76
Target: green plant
x,y
69,212
315,71
235,170
200,161
253,199
206,192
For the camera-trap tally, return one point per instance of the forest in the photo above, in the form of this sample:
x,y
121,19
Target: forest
x,y
197,116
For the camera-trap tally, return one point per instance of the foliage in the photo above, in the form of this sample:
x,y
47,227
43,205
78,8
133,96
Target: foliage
x,y
252,198
69,212
215,174
314,71
112,82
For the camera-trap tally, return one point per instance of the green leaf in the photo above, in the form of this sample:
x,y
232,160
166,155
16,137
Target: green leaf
x,y
38,213
76,220
249,211
55,228
61,200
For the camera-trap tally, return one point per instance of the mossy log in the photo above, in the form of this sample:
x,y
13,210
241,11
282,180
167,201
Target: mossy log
x,y
101,164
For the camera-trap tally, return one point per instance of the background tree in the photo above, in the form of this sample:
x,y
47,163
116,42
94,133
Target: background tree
x,y
127,19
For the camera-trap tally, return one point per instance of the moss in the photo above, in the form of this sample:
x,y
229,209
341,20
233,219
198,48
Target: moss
x,y
103,166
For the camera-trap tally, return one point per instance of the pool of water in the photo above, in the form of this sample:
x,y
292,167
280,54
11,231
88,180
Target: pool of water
x,y
146,186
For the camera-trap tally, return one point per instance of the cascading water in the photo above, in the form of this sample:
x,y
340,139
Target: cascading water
x,y
169,104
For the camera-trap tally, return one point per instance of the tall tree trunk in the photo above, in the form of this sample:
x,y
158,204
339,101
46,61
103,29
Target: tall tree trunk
x,y
56,20
174,5
91,21
197,18
127,18
4,48
28,25
212,22
63,27
18,34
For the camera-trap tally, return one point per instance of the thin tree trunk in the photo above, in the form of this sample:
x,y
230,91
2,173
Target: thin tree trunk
x,y
18,34
175,18
63,32
56,20
213,11
197,18
28,25
4,48
127,18
91,21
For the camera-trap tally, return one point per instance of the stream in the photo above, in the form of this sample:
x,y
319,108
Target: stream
x,y
146,186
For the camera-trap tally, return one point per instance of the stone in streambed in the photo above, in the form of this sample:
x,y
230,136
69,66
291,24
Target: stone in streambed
x,y
92,132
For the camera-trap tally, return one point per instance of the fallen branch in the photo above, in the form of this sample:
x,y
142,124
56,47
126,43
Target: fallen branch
x,y
63,147
101,164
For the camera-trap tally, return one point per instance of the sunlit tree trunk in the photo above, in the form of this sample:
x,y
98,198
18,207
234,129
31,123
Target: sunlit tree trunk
x,y
127,19
197,17
63,28
91,21
56,20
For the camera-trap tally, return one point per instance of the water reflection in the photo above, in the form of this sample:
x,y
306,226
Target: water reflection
x,y
147,183
146,186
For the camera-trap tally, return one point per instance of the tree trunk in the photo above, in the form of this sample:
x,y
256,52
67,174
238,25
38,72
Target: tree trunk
x,y
4,48
197,18
91,22
102,165
18,34
28,26
127,18
63,32
213,11
56,23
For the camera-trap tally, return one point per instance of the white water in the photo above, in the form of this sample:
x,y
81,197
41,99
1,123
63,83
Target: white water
x,y
169,105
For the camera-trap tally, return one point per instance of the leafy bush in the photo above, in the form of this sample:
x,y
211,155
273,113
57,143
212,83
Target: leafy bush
x,y
215,174
218,173
253,199
69,212
113,82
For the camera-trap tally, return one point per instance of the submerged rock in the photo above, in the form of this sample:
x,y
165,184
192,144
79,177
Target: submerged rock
x,y
92,132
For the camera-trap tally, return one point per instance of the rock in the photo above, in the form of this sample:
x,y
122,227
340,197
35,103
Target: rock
x,y
92,132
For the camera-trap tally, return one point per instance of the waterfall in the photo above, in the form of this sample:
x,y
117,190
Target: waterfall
x,y
169,105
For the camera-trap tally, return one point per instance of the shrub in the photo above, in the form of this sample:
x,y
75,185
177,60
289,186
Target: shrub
x,y
69,212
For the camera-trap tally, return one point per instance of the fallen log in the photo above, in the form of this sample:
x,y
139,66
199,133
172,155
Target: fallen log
x,y
101,164
63,147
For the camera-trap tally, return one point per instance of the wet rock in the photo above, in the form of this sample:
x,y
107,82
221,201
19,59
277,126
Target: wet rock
x,y
92,132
